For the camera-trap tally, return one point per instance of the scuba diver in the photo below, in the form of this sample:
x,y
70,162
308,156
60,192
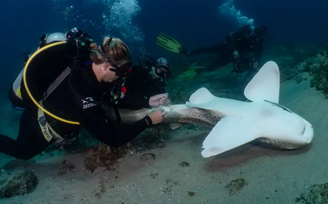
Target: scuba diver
x,y
64,87
242,47
145,81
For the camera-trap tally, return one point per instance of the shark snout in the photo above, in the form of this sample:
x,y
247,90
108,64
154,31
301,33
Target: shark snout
x,y
308,133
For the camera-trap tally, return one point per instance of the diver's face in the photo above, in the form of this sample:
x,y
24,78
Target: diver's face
x,y
109,73
162,72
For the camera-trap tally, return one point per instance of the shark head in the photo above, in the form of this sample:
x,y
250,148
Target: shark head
x,y
262,119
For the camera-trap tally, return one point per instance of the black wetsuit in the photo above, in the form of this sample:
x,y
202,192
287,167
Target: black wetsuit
x,y
247,43
74,99
140,86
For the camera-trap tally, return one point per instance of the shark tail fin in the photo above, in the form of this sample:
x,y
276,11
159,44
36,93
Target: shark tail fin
x,y
201,96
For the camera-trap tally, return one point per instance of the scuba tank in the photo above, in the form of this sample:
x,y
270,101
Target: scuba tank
x,y
14,93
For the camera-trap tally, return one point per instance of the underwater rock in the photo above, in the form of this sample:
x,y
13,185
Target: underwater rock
x,y
184,164
147,156
24,183
191,193
104,156
236,185
316,194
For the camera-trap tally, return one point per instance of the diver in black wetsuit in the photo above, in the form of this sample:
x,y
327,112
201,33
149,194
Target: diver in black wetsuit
x,y
145,82
243,47
95,79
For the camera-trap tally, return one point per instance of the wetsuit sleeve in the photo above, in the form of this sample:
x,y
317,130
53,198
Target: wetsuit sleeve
x,y
215,48
112,134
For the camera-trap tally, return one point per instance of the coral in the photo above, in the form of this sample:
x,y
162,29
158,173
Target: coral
x,y
316,194
236,185
318,67
103,156
24,183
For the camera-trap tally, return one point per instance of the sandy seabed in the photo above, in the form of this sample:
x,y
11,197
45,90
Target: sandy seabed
x,y
272,176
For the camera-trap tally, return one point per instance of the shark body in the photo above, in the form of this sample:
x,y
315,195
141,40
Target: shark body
x,y
262,119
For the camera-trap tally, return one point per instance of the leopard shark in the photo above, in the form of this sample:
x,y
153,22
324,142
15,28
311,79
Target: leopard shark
x,y
233,122
261,118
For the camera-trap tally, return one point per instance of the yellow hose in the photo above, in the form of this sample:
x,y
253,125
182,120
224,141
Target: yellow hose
x,y
28,90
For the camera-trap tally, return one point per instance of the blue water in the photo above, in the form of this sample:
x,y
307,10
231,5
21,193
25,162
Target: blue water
x,y
193,23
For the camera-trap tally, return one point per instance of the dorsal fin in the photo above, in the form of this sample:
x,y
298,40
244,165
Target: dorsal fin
x,y
265,85
201,96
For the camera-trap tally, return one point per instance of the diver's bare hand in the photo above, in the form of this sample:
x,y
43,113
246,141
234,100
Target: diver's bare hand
x,y
157,116
159,99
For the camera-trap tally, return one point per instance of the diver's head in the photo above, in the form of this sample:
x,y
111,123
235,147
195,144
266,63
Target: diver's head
x,y
256,38
111,60
161,68
261,30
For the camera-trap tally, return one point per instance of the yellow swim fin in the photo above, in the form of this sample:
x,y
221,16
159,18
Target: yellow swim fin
x,y
168,43
189,73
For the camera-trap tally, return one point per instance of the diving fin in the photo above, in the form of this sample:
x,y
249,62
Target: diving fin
x,y
189,73
168,43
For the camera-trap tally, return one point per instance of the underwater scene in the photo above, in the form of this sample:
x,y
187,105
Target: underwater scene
x,y
164,102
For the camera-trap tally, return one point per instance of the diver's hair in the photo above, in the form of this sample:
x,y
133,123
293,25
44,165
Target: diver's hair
x,y
113,50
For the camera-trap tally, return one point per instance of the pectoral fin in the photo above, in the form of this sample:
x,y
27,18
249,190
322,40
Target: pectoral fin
x,y
229,133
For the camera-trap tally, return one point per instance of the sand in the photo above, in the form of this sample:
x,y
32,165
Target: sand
x,y
272,176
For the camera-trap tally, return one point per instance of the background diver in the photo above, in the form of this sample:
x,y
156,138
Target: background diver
x,y
89,77
242,47
145,81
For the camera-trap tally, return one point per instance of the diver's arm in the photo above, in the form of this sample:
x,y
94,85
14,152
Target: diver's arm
x,y
209,49
112,134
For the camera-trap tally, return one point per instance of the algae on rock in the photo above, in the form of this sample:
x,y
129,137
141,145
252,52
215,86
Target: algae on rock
x,y
319,70
316,194
24,183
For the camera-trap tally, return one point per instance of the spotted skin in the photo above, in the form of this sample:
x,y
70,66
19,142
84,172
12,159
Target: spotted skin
x,y
175,114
